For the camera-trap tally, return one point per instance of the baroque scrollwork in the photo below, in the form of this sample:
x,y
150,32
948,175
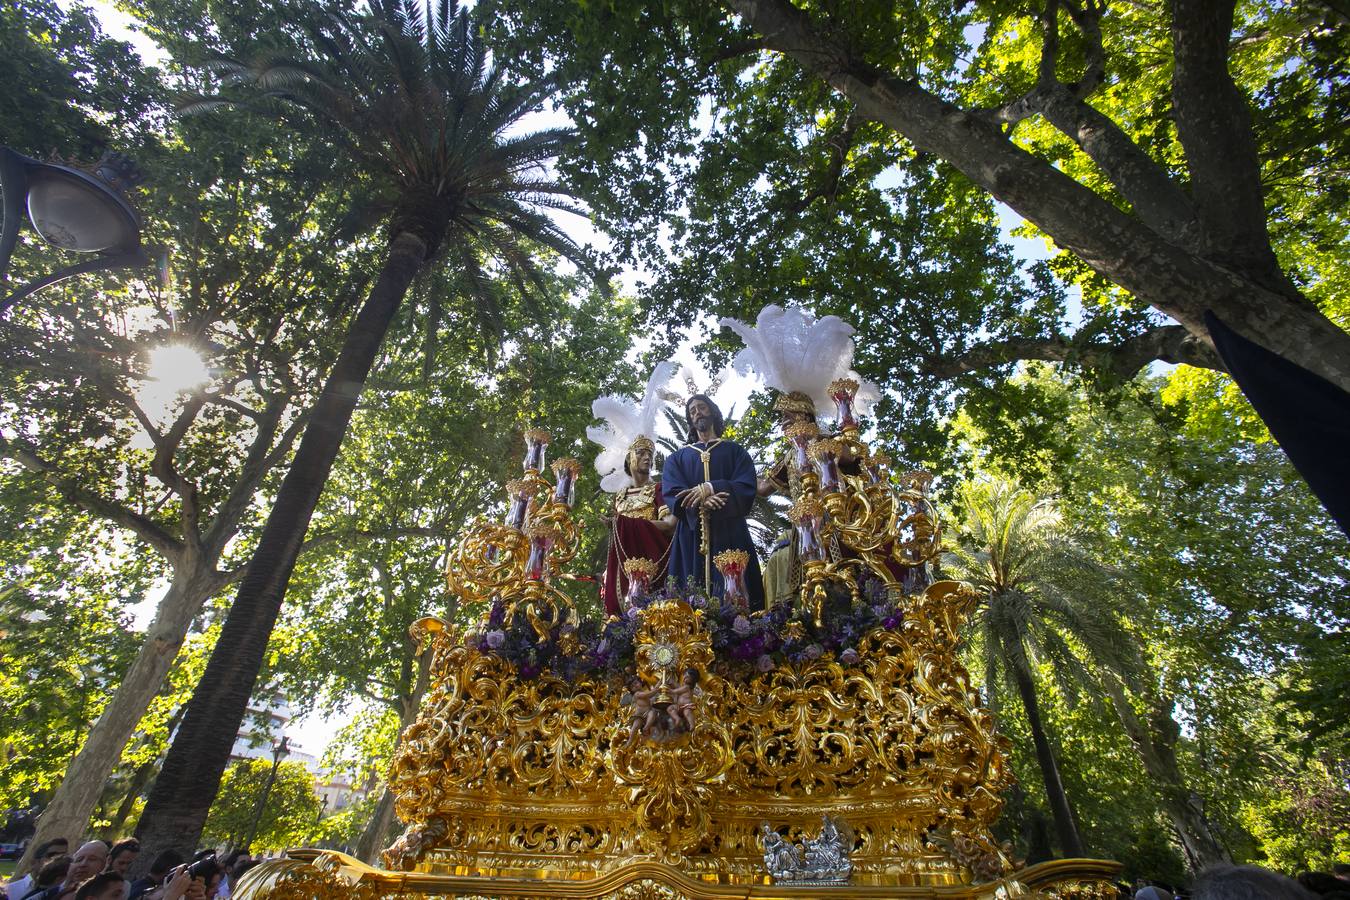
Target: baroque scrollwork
x,y
897,745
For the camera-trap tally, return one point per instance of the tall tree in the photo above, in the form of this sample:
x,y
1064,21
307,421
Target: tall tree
x,y
1240,577
408,94
175,468
1014,548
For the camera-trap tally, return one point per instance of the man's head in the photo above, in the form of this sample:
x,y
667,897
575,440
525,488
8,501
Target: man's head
x,y
638,462
164,863
53,871
104,886
53,849
122,855
702,415
89,860
793,408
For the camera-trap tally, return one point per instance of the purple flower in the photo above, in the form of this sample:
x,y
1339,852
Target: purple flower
x,y
697,602
602,646
849,657
741,626
880,610
764,663
892,621
632,613
496,638
812,651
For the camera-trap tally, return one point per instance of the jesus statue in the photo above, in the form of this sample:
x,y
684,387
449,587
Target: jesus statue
x,y
710,483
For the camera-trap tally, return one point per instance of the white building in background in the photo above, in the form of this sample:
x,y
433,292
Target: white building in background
x,y
336,793
263,726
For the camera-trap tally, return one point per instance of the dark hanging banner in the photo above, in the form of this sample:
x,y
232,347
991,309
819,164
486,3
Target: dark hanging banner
x,y
1308,415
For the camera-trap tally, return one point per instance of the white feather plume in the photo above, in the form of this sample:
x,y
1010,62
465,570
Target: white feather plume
x,y
624,422
791,350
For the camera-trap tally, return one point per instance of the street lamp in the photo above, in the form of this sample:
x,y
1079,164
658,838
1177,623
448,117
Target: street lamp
x,y
73,209
279,751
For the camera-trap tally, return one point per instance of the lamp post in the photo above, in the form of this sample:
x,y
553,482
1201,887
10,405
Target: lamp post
x,y
73,209
279,751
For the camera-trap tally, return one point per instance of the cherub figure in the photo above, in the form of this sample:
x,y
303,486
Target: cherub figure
x,y
683,699
644,716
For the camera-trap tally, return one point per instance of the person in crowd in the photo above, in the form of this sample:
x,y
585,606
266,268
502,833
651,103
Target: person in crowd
x,y
1147,890
240,868
160,869
1341,871
51,874
1228,882
178,885
87,862
122,855
45,853
206,874
103,886
228,865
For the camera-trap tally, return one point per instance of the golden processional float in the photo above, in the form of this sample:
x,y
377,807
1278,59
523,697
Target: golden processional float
x,y
831,747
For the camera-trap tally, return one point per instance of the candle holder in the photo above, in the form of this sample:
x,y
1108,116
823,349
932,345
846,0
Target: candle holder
x,y
536,444
807,516
842,392
542,535
800,435
519,491
640,572
732,563
825,452
565,471
876,465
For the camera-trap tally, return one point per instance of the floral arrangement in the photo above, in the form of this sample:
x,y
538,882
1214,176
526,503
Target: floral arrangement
x,y
758,642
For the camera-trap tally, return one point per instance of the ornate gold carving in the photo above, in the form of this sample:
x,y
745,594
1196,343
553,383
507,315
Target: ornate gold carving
x,y
795,401
506,782
896,745
329,875
639,566
802,430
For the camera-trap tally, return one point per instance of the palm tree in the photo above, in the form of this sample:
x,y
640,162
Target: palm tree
x,y
1037,582
407,91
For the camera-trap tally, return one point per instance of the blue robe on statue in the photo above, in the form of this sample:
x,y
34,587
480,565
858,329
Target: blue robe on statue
x,y
731,471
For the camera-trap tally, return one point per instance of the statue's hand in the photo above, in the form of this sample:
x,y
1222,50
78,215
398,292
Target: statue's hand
x,y
717,501
691,497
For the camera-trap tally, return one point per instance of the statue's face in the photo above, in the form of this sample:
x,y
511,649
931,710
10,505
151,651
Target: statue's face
x,y
642,462
789,417
701,414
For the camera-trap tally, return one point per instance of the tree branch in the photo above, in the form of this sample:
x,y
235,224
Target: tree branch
x,y
144,528
166,470
1214,126
1159,202
1166,343
226,520
1170,277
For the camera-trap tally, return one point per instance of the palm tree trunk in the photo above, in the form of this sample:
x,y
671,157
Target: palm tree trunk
x,y
1070,844
68,814
190,777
